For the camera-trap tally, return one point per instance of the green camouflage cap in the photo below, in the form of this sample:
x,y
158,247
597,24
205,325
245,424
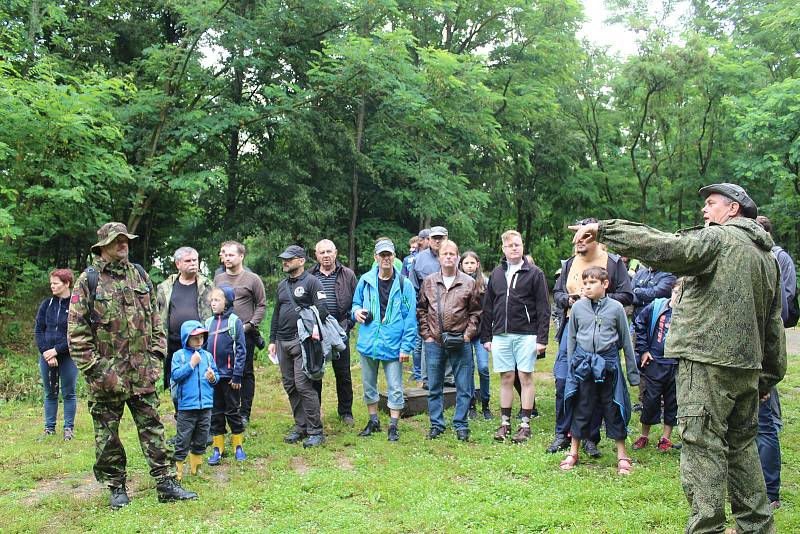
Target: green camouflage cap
x,y
108,233
735,193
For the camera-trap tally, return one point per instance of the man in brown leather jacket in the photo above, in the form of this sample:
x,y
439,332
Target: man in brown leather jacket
x,y
448,313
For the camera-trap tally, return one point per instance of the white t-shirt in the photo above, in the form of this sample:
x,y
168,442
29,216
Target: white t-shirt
x,y
448,280
512,268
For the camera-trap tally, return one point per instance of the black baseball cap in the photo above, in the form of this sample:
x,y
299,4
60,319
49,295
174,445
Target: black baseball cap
x,y
291,252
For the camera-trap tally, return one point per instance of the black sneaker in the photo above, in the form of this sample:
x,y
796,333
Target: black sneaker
x,y
561,442
372,426
462,434
170,490
590,448
119,497
487,413
435,432
393,434
473,413
294,437
314,441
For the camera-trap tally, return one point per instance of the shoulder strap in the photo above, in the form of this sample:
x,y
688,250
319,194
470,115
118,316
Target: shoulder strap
x,y
144,276
92,276
291,297
232,318
439,308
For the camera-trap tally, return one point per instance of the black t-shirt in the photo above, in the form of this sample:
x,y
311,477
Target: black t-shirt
x,y
384,287
307,290
182,308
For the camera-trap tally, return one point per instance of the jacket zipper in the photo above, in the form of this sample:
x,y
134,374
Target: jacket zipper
x,y
508,293
528,315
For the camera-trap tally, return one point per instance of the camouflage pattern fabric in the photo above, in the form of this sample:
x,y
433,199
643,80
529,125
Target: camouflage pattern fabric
x,y
164,294
110,459
718,434
121,349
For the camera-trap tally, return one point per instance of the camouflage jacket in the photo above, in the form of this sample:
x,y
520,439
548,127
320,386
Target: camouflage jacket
x,y
164,294
729,311
120,352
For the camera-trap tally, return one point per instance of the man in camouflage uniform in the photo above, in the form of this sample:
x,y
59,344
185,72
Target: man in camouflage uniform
x,y
117,341
727,333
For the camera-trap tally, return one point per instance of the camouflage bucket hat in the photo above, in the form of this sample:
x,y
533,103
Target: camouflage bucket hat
x,y
108,233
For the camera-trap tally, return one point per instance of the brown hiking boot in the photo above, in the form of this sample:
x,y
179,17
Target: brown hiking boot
x,y
502,432
523,434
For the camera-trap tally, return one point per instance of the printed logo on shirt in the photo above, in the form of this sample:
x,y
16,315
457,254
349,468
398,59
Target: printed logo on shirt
x,y
299,291
320,295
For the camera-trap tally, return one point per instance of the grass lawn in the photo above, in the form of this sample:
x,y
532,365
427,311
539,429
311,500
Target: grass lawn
x,y
360,484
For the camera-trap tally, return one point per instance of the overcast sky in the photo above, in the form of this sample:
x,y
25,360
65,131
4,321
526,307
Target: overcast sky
x,y
596,30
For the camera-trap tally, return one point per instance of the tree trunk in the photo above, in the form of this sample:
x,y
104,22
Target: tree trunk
x,y
354,199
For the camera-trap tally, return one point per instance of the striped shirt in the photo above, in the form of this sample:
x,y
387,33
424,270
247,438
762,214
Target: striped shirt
x,y
329,285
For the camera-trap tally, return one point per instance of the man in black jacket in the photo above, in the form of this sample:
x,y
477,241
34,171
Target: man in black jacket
x,y
516,323
300,289
339,284
565,293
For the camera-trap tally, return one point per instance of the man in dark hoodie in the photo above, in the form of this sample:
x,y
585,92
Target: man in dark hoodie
x,y
726,332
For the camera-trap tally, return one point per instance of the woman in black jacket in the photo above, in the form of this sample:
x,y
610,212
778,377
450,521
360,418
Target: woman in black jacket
x,y
55,363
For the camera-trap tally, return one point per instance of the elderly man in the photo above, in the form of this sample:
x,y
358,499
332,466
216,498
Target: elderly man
x,y
250,304
727,334
182,297
339,284
117,341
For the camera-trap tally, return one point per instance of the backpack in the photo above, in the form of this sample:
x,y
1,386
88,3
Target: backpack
x,y
93,276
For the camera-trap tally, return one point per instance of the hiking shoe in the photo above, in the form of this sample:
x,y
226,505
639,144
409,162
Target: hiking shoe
x,y
49,432
590,448
69,434
561,442
119,497
348,420
462,434
170,490
502,431
641,443
372,426
523,434
294,437
473,413
435,432
393,435
314,441
664,444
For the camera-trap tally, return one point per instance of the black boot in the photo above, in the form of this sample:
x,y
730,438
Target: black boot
x,y
170,490
119,497
487,413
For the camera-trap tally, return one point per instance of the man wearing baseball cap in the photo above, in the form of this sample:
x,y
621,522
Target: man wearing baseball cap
x,y
298,289
728,336
117,340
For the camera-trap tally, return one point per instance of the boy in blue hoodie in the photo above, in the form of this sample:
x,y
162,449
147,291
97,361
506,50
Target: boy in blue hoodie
x,y
658,371
193,377
226,342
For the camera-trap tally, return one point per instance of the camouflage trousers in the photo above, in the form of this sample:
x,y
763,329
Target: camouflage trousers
x,y
718,423
110,459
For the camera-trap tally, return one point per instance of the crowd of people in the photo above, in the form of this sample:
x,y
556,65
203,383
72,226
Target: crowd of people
x,y
706,317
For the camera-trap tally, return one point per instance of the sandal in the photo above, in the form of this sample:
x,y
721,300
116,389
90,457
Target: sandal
x,y
624,466
569,462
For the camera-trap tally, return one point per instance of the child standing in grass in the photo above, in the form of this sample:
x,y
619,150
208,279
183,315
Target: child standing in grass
x,y
658,371
226,343
597,329
193,377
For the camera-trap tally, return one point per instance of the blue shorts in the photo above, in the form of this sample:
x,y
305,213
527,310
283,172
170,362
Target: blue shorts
x,y
513,351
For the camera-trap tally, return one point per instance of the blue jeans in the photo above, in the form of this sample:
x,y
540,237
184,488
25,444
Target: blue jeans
x,y
68,376
393,370
437,359
769,447
482,360
416,369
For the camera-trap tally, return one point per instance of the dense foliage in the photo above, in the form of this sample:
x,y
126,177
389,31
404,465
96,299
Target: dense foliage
x,y
285,121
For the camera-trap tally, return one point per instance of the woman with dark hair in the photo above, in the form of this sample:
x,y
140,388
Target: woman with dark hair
x,y
55,363
471,265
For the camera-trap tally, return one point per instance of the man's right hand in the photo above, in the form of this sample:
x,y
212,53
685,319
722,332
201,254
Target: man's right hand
x,y
361,315
195,360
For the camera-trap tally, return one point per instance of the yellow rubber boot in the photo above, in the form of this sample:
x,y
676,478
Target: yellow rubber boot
x,y
236,444
216,452
194,462
179,470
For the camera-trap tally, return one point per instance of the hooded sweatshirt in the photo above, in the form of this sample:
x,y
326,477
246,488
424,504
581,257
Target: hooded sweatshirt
x,y
195,392
729,309
51,325
229,354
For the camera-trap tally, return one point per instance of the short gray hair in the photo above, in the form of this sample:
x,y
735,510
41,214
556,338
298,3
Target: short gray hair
x,y
183,251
